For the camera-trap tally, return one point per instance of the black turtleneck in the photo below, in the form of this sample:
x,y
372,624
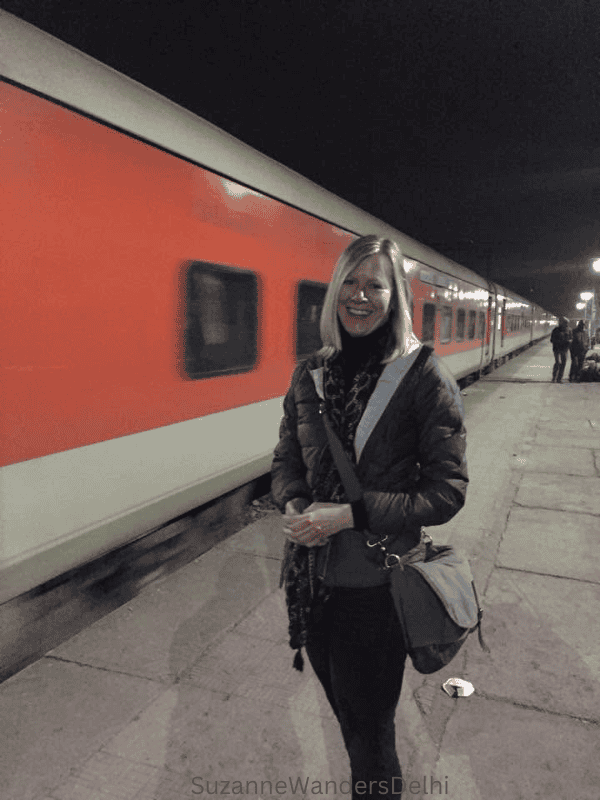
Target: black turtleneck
x,y
356,350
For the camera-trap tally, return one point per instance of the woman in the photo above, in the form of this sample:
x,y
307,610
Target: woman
x,y
409,450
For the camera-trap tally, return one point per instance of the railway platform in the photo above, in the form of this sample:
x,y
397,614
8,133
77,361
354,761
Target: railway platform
x,y
188,690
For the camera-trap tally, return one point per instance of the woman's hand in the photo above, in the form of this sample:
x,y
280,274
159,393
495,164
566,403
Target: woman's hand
x,y
296,506
318,522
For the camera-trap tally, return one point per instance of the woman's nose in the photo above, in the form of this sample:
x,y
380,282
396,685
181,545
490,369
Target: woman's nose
x,y
359,294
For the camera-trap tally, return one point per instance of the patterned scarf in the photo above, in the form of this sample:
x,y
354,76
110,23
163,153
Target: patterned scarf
x,y
359,364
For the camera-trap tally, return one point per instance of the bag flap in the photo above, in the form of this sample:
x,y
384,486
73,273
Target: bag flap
x,y
422,615
449,576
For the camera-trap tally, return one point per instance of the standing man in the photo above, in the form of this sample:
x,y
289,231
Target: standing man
x,y
561,341
579,347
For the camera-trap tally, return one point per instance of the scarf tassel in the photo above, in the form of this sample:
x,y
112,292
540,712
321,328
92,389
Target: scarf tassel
x,y
298,660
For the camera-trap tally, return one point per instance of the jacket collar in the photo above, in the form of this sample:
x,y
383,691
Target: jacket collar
x,y
387,384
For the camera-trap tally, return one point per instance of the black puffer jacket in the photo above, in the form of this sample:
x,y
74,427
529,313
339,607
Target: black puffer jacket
x,y
579,342
412,469
560,338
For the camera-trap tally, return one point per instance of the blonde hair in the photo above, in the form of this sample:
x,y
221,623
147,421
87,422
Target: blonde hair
x,y
401,322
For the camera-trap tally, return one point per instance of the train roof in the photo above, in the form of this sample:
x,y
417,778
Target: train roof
x,y
41,62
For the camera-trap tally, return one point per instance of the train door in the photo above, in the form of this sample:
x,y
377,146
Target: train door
x,y
532,323
502,321
490,328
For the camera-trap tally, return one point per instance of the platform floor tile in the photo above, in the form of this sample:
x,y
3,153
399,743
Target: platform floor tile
x,y
547,424
262,538
561,460
56,714
545,652
586,438
551,543
258,670
560,493
107,777
497,751
160,632
216,737
268,620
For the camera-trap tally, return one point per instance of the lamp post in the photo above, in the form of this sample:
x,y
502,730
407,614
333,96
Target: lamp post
x,y
586,297
595,321
582,307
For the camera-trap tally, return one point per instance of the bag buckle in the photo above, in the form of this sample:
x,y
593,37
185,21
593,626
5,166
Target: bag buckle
x,y
425,537
392,560
376,542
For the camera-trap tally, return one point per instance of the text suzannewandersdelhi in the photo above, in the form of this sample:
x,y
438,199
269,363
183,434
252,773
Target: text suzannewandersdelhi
x,y
394,787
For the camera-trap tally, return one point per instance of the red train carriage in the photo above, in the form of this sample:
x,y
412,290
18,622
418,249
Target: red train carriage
x,y
159,281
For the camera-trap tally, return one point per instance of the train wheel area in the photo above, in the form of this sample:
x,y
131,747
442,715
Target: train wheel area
x,y
187,688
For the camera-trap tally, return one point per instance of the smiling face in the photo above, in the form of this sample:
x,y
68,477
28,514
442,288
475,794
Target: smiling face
x,y
365,296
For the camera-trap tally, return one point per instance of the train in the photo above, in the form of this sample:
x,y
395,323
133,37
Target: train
x,y
160,281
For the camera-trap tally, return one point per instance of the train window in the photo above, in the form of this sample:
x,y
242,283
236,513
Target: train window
x,y
472,320
309,303
460,324
481,331
221,320
446,329
428,329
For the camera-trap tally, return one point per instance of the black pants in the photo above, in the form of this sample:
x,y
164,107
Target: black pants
x,y
560,361
355,648
577,360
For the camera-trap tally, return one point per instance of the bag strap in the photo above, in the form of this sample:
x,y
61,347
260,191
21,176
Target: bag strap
x,y
350,482
348,476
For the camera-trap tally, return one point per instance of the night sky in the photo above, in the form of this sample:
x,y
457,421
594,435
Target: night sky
x,y
472,126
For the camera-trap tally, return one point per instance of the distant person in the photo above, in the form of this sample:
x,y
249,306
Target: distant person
x,y
561,341
413,470
579,347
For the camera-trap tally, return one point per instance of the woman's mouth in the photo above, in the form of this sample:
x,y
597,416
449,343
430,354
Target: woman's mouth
x,y
358,312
